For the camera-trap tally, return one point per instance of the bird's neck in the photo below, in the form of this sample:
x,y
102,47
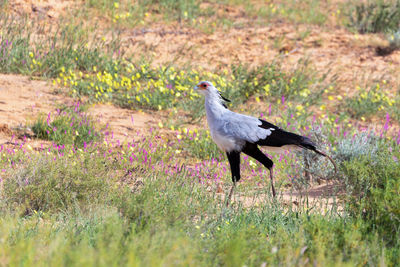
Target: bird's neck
x,y
214,105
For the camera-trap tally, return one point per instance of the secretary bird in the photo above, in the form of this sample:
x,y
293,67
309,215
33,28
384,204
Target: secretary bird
x,y
235,133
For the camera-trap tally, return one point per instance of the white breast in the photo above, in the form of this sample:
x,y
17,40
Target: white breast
x,y
216,120
225,143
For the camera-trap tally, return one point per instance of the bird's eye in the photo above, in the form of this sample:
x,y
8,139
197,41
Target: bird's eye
x,y
204,85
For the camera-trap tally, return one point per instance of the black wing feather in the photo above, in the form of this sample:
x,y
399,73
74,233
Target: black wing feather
x,y
280,137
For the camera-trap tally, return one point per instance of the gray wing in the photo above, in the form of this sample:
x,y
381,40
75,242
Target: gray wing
x,y
244,127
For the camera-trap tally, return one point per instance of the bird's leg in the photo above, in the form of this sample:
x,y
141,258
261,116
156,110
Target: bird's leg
x,y
272,182
234,162
230,194
253,151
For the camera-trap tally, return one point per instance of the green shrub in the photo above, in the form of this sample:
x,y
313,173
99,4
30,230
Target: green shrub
x,y
355,146
375,16
298,83
57,183
373,190
69,125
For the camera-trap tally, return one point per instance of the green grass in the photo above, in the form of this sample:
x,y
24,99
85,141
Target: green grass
x,y
271,80
371,101
373,185
305,12
144,12
129,205
46,185
67,47
374,16
200,145
69,125
104,239
168,222
3,4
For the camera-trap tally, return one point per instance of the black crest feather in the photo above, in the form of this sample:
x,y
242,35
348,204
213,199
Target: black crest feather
x,y
224,98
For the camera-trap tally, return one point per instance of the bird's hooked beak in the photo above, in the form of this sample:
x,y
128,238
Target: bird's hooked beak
x,y
196,88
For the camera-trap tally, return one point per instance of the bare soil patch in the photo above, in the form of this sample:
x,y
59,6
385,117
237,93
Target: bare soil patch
x,y
123,124
21,100
45,9
319,198
351,58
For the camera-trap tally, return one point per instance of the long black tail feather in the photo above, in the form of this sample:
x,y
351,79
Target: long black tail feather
x,y
308,144
281,137
328,157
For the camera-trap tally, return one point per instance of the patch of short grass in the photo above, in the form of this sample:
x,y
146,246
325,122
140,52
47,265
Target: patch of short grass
x,y
65,46
370,101
128,13
49,184
307,12
69,125
4,4
200,145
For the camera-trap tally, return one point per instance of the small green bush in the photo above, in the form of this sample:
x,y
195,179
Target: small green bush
x,y
70,125
375,16
373,190
271,80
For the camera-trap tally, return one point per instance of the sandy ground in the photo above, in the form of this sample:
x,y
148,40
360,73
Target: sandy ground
x,y
21,100
350,58
123,123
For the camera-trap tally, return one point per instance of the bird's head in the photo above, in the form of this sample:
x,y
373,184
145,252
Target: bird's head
x,y
205,88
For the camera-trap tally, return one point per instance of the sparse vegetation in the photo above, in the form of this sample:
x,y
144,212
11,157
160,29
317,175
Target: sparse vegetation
x,y
69,47
70,125
375,16
369,102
